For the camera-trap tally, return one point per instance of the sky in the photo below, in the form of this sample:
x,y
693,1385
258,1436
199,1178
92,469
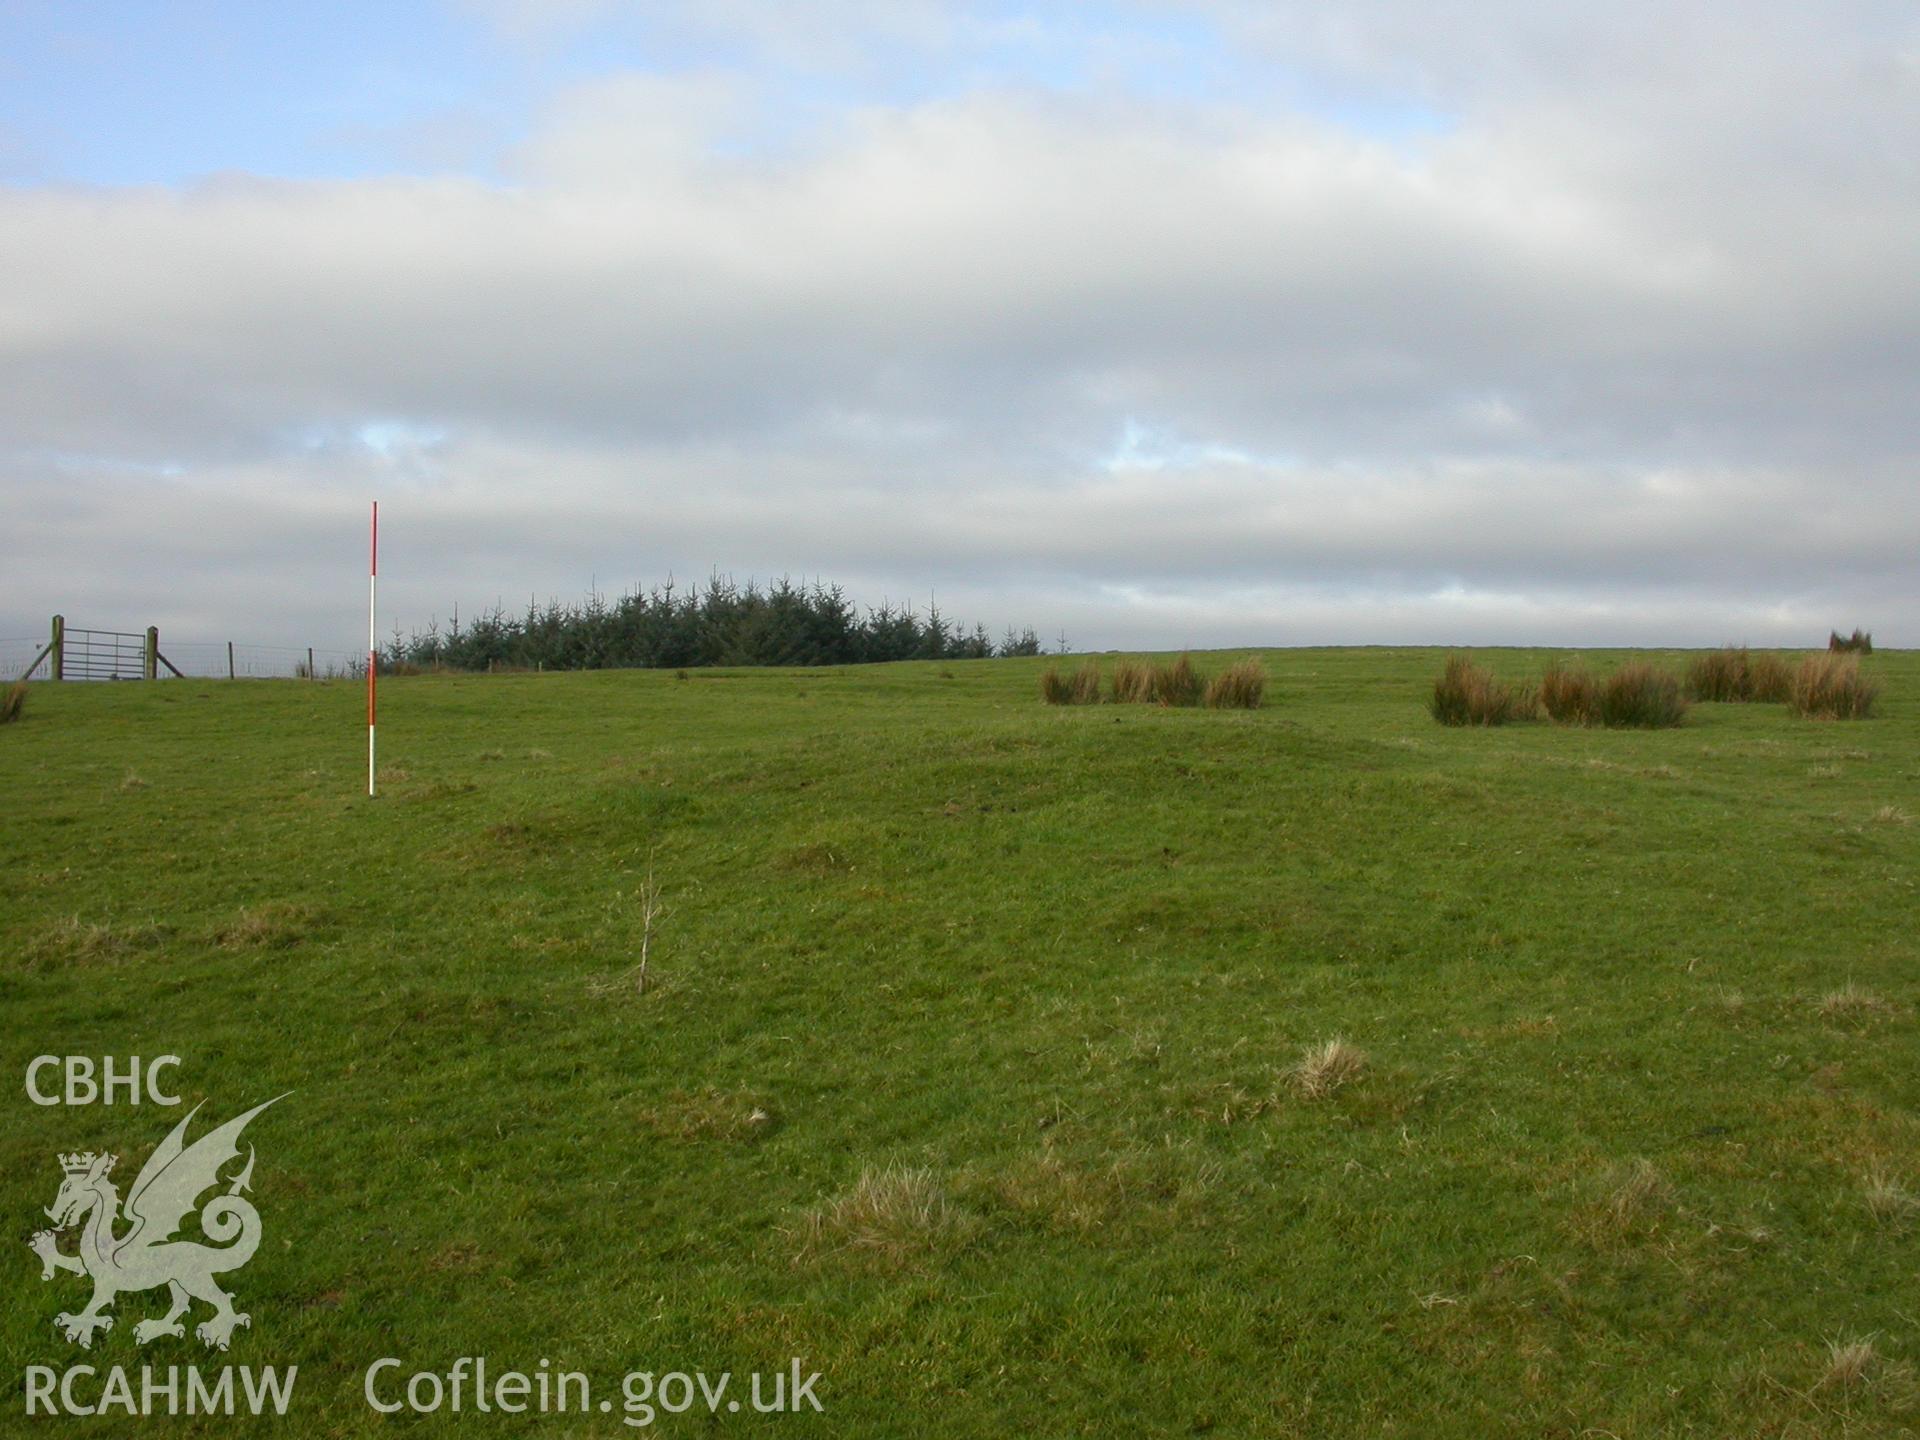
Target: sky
x,y
1151,324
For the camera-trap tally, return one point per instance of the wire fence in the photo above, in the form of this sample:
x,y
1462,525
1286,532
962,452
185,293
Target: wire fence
x,y
196,659
16,655
208,659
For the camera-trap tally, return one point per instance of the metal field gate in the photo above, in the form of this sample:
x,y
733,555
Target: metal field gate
x,y
103,655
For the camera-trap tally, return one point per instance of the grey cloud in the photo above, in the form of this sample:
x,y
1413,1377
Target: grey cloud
x,y
1632,343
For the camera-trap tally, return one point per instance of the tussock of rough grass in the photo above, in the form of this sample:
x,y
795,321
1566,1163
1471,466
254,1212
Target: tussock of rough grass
x,y
1851,1002
1178,683
1831,687
1639,696
1132,683
1849,1362
132,781
892,1213
13,702
1238,687
1734,674
1888,1200
1568,695
1770,680
1892,815
1722,675
1324,1068
1138,682
1080,688
1467,694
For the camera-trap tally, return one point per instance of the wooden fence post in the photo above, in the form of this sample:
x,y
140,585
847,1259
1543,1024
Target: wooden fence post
x,y
59,647
229,659
310,674
149,657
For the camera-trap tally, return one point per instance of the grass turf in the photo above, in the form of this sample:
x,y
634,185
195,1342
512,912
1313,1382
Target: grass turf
x,y
1610,1166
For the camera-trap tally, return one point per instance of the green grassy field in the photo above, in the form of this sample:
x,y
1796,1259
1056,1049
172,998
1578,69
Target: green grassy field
x,y
1635,1139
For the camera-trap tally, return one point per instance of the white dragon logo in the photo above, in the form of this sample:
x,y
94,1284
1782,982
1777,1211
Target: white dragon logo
x,y
147,1255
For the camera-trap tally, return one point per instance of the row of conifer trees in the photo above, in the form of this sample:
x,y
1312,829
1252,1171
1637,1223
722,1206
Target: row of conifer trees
x,y
719,623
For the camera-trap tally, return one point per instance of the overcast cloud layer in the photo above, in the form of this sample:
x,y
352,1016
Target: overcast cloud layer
x,y
1200,324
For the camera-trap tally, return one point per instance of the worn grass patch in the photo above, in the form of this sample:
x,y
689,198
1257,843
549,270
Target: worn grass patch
x,y
709,1114
72,940
275,925
1626,1203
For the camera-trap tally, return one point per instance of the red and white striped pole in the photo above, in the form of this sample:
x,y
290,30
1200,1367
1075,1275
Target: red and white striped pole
x,y
373,643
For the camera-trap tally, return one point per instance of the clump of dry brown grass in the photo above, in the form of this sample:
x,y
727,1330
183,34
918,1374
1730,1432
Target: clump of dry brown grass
x,y
1849,1362
1238,687
1085,688
1080,688
1568,695
1137,682
1639,696
1851,1002
1734,674
1892,815
13,702
1720,675
1467,694
1324,1068
1132,683
892,1213
1831,687
1770,680
132,780
1178,683
1888,1200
